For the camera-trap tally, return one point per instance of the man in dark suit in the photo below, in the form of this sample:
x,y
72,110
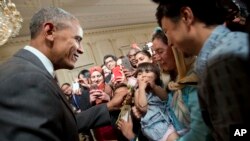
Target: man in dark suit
x,y
32,106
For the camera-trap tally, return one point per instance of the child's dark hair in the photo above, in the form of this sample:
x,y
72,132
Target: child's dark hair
x,y
150,67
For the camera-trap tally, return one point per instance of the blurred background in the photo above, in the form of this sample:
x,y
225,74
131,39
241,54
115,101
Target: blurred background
x,y
110,27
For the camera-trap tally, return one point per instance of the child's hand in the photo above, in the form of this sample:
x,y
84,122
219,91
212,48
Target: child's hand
x,y
151,83
142,82
149,79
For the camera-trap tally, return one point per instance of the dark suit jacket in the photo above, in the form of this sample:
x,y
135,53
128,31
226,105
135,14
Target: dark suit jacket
x,y
33,108
83,99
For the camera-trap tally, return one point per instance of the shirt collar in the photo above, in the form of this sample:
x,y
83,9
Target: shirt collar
x,y
46,62
208,47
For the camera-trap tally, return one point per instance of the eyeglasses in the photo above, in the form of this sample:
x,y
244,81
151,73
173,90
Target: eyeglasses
x,y
106,63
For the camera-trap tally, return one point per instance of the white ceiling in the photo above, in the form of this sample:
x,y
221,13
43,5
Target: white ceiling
x,y
93,13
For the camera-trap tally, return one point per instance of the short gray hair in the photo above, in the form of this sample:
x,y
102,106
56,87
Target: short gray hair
x,y
51,14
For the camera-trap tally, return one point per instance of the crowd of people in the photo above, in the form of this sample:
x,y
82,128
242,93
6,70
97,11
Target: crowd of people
x,y
189,85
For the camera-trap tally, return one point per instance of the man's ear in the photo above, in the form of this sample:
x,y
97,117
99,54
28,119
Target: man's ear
x,y
187,15
49,30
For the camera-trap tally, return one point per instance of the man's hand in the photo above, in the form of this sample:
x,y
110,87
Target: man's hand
x,y
116,102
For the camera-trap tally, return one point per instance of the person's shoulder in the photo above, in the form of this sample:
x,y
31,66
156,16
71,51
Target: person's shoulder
x,y
20,70
236,37
234,44
228,65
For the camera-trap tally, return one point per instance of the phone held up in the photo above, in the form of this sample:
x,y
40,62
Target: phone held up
x,y
76,86
117,72
126,64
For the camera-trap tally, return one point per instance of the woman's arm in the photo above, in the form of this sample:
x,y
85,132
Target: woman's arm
x,y
160,92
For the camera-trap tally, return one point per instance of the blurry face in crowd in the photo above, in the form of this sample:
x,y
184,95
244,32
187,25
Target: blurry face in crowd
x,y
131,57
141,58
163,55
96,78
119,61
83,79
106,70
67,90
67,46
110,63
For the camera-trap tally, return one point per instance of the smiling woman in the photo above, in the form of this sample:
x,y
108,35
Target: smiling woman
x,y
196,28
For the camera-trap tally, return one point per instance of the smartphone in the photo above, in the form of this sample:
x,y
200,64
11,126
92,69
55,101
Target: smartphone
x,y
117,72
76,86
93,86
126,64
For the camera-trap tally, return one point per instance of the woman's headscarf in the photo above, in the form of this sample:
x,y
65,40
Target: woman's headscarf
x,y
185,76
95,68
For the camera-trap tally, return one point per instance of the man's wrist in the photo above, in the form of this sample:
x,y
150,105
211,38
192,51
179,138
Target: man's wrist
x,y
133,138
110,106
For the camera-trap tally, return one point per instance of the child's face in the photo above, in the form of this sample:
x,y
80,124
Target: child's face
x,y
146,76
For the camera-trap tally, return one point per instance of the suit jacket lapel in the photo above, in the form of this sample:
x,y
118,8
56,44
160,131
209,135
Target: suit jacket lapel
x,y
27,55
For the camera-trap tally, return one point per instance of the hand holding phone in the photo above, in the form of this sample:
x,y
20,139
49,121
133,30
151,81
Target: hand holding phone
x,y
76,87
95,95
117,72
126,64
93,87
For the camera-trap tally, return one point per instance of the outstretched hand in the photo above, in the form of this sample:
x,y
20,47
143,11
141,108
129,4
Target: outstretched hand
x,y
116,102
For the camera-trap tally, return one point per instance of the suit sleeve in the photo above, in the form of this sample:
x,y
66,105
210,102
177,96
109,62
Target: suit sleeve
x,y
95,116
